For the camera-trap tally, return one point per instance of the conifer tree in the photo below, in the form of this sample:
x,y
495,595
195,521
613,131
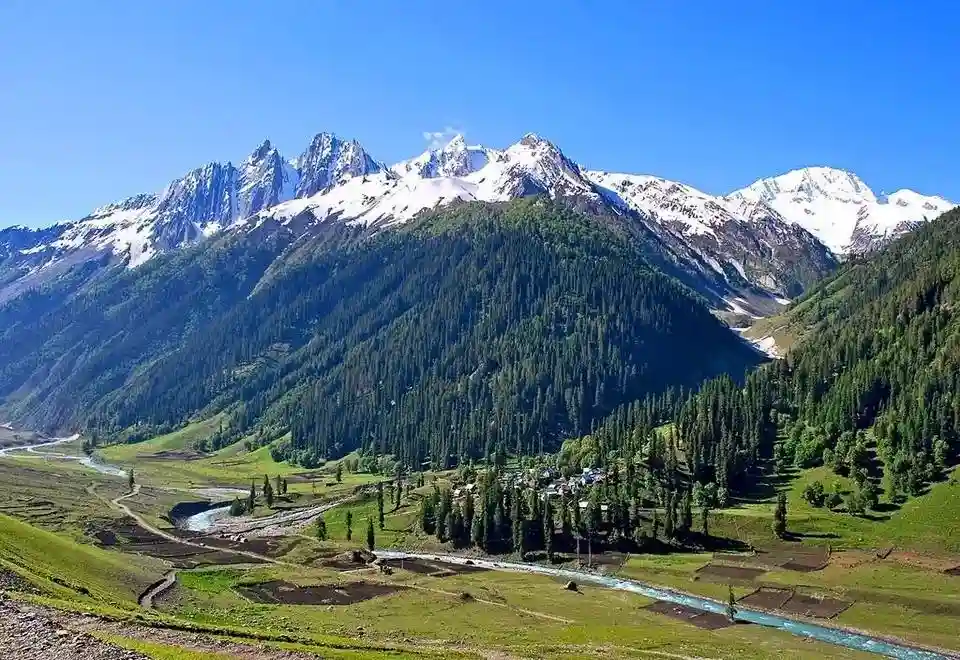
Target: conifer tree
x,y
380,503
780,516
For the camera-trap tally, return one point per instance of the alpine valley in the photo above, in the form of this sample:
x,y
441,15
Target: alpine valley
x,y
332,300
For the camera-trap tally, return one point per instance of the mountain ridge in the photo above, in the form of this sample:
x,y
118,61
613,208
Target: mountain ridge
x,y
750,244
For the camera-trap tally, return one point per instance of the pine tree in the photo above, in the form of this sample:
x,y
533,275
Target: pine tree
x,y
780,516
321,529
371,541
468,514
686,513
731,605
130,481
267,491
566,526
339,471
477,533
237,507
548,524
669,522
428,520
349,525
252,498
380,503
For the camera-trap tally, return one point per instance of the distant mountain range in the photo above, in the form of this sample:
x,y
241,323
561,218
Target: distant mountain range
x,y
747,251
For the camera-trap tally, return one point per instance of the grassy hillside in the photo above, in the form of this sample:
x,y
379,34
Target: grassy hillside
x,y
63,568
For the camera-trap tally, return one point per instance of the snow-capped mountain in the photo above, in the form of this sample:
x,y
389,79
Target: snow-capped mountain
x,y
386,196
840,209
769,240
330,161
746,244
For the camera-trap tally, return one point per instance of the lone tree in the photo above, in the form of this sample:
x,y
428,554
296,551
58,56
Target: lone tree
x,y
236,507
380,503
321,529
731,605
267,491
780,516
339,471
349,525
371,541
130,481
252,498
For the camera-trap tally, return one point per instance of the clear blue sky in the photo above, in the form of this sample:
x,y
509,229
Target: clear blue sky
x,y
103,99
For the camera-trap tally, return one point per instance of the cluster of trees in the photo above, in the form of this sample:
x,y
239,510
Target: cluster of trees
x,y
624,509
872,390
268,492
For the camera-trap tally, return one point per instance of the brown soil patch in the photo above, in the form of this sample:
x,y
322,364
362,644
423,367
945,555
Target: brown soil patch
x,y
953,571
418,566
847,559
434,568
610,559
794,557
766,598
705,620
349,561
725,572
127,536
944,564
270,546
821,608
286,593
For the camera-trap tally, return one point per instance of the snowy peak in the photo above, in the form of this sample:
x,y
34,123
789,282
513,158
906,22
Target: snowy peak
x,y
675,205
811,183
454,159
330,161
535,165
840,209
265,180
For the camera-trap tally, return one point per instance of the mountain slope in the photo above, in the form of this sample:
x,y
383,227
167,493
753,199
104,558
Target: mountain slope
x,y
515,324
748,244
871,385
840,209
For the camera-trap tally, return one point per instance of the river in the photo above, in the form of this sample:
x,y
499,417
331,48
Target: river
x,y
839,637
91,462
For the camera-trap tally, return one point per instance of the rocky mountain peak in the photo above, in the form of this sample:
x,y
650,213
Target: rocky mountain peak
x,y
330,161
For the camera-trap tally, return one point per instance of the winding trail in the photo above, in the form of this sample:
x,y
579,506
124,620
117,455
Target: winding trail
x,y
117,503
146,598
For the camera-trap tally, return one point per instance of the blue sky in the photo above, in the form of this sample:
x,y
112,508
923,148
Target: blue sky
x,y
104,99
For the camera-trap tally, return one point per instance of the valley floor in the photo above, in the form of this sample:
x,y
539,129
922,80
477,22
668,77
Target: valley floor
x,y
107,566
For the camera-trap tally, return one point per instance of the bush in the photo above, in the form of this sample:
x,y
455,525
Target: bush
x,y
815,494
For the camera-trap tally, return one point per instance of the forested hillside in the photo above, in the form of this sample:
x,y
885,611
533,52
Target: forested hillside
x,y
477,326
872,389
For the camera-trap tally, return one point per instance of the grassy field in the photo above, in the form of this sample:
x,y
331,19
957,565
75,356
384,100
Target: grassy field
x,y
922,524
158,462
484,613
